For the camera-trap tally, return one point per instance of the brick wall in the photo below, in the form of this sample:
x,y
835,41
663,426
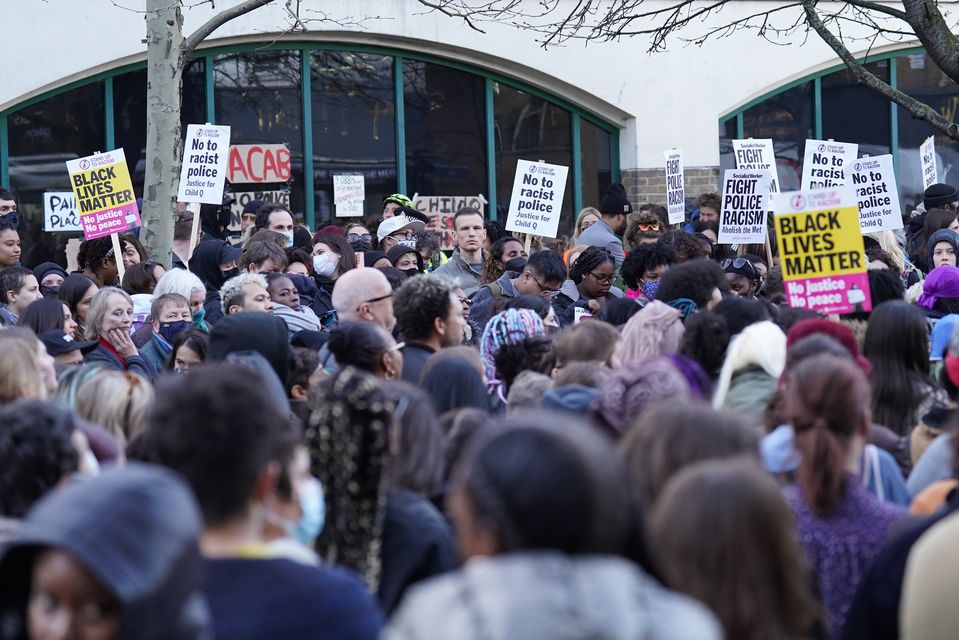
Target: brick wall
x,y
644,186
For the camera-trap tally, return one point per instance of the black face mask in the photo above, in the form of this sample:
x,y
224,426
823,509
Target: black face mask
x,y
361,245
48,291
516,264
411,272
235,271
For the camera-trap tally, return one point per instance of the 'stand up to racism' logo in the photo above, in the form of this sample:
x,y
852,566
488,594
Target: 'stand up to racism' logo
x,y
533,168
84,164
821,148
798,202
857,167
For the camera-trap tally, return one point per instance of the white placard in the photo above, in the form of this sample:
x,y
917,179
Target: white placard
x,y
675,191
742,219
757,154
826,164
927,155
205,155
582,313
60,212
875,182
537,200
349,192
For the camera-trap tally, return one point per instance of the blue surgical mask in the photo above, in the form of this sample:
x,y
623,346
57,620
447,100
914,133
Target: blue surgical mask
x,y
170,330
13,219
649,289
313,507
289,237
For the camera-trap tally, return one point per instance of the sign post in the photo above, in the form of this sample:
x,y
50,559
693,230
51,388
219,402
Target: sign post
x,y
203,171
536,204
675,189
105,198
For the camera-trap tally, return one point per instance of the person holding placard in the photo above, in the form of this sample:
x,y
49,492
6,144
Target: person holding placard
x,y
614,209
590,286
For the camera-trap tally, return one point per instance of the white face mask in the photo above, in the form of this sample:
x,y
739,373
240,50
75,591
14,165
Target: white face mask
x,y
324,264
409,244
289,237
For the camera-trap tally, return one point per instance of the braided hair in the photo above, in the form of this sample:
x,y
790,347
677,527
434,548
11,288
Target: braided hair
x,y
92,253
588,260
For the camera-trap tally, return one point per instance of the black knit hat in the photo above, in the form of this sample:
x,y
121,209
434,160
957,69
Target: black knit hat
x,y
615,200
939,195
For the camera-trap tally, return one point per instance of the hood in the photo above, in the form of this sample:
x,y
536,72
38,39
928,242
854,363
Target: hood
x,y
942,235
454,383
207,258
136,528
255,331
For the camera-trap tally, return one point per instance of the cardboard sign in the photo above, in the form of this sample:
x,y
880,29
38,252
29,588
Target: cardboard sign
x,y
675,190
244,198
203,172
104,193
927,155
537,200
441,209
821,250
259,163
349,192
60,212
826,163
742,219
876,193
758,155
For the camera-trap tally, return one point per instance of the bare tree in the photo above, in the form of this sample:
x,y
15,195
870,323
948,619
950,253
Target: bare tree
x,y
696,21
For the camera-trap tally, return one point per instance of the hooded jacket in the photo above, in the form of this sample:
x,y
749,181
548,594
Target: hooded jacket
x,y
205,263
136,529
942,235
255,331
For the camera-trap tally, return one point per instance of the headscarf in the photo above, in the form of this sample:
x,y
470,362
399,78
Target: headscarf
x,y
454,383
942,282
506,328
942,235
206,260
654,330
633,387
347,434
761,344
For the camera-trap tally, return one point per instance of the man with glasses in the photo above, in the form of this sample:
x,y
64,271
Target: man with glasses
x,y
544,275
401,229
607,232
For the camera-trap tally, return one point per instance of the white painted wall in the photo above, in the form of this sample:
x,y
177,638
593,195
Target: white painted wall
x,y
661,100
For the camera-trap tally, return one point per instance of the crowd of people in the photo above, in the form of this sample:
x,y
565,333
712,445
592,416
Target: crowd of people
x,y
354,434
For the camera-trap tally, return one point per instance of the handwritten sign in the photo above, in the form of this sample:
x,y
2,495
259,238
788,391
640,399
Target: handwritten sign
x,y
104,193
877,196
757,154
927,155
821,250
243,198
744,206
826,163
537,200
60,212
349,192
203,172
259,163
441,209
675,190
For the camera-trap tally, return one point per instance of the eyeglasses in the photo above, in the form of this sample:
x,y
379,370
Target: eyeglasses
x,y
544,291
649,227
466,301
601,279
403,235
356,237
738,263
373,300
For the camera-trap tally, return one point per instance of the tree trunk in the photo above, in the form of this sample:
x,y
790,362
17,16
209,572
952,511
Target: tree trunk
x,y
165,61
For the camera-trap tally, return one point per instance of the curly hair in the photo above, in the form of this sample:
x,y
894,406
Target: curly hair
x,y
588,260
647,218
36,446
711,200
535,353
705,341
695,280
492,272
643,258
686,245
92,253
298,254
419,302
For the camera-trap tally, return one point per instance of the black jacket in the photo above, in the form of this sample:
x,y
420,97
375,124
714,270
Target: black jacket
x,y
135,364
415,355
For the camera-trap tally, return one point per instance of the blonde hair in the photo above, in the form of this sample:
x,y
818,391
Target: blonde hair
x,y
887,242
99,308
117,401
20,374
579,221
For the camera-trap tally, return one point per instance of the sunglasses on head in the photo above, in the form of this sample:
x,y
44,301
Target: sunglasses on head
x,y
738,263
649,227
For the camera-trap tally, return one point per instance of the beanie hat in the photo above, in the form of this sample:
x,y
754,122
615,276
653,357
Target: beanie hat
x,y
328,230
942,338
654,330
44,269
615,201
938,195
508,327
634,387
942,235
252,206
838,332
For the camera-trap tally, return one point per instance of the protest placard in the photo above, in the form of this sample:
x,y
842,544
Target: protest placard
x,y
104,193
826,163
60,212
243,198
440,211
537,200
742,219
757,154
875,182
675,191
204,168
259,163
821,250
927,156
349,192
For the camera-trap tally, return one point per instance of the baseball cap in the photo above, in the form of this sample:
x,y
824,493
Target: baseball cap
x,y
57,343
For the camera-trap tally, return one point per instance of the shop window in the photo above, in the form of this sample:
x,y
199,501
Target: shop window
x,y
787,118
596,152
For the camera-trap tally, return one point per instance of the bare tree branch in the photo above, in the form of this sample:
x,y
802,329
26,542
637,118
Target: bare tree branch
x,y
214,23
879,8
918,109
934,34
